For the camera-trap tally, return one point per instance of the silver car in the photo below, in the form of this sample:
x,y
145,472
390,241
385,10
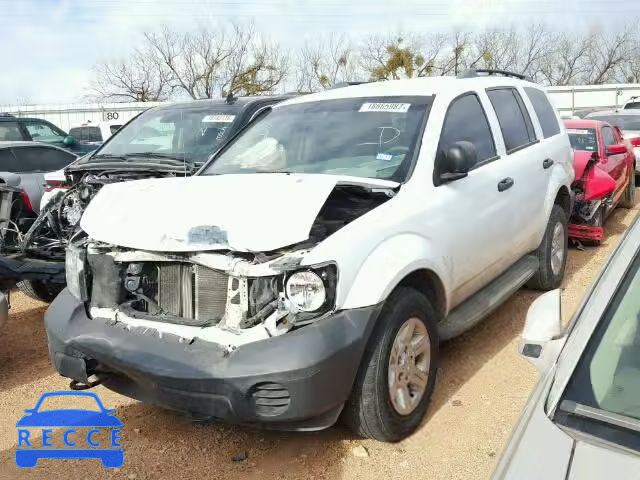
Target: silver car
x,y
29,161
583,419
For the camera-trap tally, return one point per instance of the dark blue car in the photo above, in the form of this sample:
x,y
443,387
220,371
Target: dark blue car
x,y
68,418
19,129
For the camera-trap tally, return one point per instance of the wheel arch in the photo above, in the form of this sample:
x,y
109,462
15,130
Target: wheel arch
x,y
565,200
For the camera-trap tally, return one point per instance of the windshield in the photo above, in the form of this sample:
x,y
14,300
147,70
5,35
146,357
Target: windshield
x,y
623,122
608,374
583,139
190,133
362,137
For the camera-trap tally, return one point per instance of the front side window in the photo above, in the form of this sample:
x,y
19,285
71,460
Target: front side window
x,y
41,159
362,137
545,112
466,121
608,137
44,132
584,139
190,133
515,123
607,377
10,132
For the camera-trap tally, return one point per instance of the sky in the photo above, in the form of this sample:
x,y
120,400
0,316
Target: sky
x,y
48,47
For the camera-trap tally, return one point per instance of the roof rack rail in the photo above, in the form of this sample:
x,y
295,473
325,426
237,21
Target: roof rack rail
x,y
473,73
347,84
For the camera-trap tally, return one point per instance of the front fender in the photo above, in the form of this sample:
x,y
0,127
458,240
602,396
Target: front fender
x,y
384,268
561,176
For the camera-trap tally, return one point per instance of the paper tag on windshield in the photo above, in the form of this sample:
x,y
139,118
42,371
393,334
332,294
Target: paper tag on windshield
x,y
384,156
385,107
218,119
578,132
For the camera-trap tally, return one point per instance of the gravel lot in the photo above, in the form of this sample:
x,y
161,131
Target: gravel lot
x,y
481,390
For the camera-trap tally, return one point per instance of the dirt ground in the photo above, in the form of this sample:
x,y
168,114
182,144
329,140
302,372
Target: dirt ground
x,y
482,387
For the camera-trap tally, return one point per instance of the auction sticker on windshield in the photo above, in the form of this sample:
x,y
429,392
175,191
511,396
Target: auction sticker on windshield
x,y
218,119
94,432
385,107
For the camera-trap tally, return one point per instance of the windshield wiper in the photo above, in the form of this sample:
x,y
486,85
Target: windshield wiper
x,y
108,156
584,411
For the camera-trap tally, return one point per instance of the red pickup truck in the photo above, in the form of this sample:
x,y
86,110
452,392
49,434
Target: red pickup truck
x,y
604,167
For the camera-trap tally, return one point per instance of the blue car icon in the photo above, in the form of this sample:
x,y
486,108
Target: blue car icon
x,y
68,418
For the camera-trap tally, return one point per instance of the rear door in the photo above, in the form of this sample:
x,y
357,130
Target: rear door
x,y
615,165
523,169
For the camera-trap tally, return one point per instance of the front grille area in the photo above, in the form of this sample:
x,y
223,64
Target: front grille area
x,y
192,291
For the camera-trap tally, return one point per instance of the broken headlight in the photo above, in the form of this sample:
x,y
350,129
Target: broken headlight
x,y
75,272
312,290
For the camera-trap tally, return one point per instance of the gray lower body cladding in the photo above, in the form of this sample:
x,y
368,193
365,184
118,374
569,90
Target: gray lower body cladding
x,y
298,380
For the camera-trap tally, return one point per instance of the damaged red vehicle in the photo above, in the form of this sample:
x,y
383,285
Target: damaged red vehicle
x,y
604,168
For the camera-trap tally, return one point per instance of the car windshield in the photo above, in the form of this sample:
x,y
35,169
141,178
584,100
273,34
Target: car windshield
x,y
189,133
583,139
362,137
607,377
623,122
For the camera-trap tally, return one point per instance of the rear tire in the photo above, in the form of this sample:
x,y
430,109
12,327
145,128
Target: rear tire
x,y
40,290
628,199
552,252
371,411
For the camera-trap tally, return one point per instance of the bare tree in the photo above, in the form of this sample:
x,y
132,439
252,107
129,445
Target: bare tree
x,y
608,53
568,62
138,78
194,60
325,63
255,65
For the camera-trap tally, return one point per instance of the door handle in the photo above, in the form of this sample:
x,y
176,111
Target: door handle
x,y
505,184
547,163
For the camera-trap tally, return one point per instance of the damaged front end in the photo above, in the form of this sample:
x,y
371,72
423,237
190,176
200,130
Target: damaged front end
x,y
227,299
593,189
225,296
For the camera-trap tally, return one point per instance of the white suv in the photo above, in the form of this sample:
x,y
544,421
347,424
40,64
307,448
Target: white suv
x,y
316,262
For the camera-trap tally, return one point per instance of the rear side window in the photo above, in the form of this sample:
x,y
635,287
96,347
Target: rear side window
x,y
466,121
10,132
86,134
515,123
41,159
545,112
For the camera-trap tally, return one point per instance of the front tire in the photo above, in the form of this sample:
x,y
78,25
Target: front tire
x,y
398,370
552,252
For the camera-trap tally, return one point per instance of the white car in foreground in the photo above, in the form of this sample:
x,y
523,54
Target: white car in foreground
x,y
582,421
313,266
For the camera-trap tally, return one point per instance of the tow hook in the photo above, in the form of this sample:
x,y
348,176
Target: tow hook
x,y
92,381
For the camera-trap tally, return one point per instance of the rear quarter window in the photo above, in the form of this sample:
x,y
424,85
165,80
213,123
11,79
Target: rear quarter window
x,y
544,111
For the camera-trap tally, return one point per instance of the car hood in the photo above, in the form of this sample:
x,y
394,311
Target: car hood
x,y
245,212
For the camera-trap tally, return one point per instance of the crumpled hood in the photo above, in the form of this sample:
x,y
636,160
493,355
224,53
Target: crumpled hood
x,y
581,159
245,212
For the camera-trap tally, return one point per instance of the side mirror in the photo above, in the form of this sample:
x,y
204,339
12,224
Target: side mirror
x,y
458,160
635,142
542,337
69,140
617,149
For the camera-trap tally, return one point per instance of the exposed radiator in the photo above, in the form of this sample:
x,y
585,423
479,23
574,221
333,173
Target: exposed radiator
x,y
192,291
